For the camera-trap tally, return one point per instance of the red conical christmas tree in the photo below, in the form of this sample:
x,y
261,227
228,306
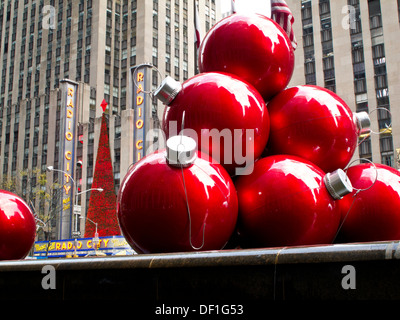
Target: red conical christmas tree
x,y
102,205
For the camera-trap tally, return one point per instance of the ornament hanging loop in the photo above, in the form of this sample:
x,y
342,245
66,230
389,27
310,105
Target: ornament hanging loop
x,y
135,77
376,175
388,126
383,131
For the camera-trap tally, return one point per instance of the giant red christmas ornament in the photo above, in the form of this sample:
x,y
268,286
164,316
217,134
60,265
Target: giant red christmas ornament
x,y
288,201
253,47
373,214
17,227
315,124
226,116
174,200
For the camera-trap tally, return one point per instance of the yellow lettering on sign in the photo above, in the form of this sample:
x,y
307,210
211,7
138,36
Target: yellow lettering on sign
x,y
68,155
67,188
70,113
58,245
70,104
89,244
69,135
106,242
139,124
66,177
70,92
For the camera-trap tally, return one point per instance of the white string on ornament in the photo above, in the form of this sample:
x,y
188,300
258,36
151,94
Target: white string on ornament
x,y
356,193
187,199
189,216
151,92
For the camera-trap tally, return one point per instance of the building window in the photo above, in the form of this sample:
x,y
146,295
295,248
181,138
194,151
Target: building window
x,y
388,159
360,86
378,52
324,7
398,7
327,45
384,119
375,20
358,54
308,42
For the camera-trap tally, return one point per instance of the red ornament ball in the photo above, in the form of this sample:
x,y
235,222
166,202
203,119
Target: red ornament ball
x,y
17,227
313,123
153,212
285,202
226,116
253,47
373,214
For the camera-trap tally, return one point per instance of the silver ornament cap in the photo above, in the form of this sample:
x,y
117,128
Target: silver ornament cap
x,y
338,184
363,122
181,151
168,90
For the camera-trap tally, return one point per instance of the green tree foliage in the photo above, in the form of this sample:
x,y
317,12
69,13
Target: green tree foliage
x,y
43,197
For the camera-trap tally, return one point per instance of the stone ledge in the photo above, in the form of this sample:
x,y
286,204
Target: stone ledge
x,y
305,273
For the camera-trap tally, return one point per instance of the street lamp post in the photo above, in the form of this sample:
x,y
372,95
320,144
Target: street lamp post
x,y
65,229
75,232
96,239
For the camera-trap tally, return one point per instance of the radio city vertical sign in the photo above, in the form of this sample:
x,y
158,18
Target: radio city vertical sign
x,y
66,159
139,84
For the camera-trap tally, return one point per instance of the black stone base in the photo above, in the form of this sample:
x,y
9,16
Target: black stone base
x,y
348,272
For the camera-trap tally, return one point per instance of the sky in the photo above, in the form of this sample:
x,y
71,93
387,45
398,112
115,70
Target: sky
x,y
244,6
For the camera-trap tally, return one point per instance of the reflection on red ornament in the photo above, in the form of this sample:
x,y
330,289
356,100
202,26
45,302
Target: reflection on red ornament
x,y
17,227
169,205
316,124
226,116
373,214
288,201
253,47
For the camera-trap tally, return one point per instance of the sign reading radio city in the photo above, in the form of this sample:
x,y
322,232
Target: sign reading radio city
x,y
138,103
61,248
69,90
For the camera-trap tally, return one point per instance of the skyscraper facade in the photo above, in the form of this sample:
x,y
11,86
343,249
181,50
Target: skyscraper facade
x,y
96,44
351,47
